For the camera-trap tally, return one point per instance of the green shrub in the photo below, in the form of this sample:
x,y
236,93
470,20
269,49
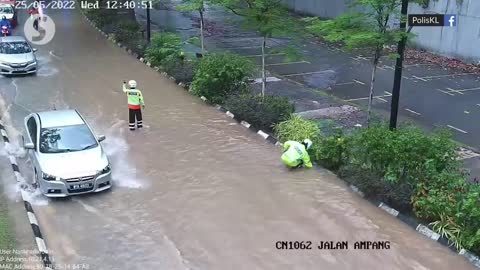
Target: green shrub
x,y
261,113
220,75
401,155
127,32
330,152
296,128
164,50
453,207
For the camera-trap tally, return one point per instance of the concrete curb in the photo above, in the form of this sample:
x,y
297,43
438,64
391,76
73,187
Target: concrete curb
x,y
411,222
42,247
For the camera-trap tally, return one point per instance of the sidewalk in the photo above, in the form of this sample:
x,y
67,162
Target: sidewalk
x,y
329,77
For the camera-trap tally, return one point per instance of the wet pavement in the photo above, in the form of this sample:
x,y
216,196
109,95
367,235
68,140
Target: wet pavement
x,y
431,96
193,189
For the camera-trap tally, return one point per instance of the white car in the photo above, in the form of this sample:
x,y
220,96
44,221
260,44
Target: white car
x,y
66,156
17,56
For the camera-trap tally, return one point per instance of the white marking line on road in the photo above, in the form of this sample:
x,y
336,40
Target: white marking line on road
x,y
463,90
389,67
32,218
246,47
388,209
345,83
41,245
307,73
443,91
268,79
418,65
245,124
263,134
418,78
379,67
455,91
457,129
229,114
13,160
357,81
377,97
412,111
288,63
259,55
382,99
448,75
388,93
466,112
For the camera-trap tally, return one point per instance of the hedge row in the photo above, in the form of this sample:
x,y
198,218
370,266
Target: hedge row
x,y
408,169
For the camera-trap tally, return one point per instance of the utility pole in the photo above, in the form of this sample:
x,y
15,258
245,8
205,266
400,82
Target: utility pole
x,y
148,25
398,67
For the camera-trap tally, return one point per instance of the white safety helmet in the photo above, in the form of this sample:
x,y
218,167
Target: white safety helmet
x,y
132,84
308,143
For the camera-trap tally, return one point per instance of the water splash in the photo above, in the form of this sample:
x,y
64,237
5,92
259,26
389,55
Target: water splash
x,y
44,69
124,173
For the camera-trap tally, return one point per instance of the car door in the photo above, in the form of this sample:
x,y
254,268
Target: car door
x,y
32,128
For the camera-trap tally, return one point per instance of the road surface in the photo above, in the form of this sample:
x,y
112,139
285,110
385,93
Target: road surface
x,y
193,190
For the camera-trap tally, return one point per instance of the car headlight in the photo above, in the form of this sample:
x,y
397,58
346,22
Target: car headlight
x,y
48,177
106,169
31,62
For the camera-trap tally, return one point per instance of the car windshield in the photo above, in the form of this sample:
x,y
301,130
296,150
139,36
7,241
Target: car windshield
x,y
15,47
6,10
66,139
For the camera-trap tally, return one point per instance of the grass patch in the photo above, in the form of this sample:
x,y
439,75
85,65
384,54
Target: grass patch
x,y
7,238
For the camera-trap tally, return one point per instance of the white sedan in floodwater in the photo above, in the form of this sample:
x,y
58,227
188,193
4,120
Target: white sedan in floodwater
x,y
67,157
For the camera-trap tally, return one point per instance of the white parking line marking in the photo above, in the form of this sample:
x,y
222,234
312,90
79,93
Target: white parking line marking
x,y
455,91
457,129
418,78
412,111
445,92
268,79
307,73
259,55
357,81
246,47
448,75
364,98
345,83
288,63
382,99
464,90
418,65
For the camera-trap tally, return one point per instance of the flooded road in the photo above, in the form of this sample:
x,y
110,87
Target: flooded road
x,y
193,190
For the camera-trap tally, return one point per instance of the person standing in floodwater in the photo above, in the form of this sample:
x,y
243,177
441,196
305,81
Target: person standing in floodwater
x,y
135,104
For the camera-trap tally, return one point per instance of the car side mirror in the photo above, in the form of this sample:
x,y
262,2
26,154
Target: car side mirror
x,y
29,146
35,49
101,138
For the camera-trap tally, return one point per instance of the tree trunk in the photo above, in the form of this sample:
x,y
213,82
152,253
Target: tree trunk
x,y
264,76
201,32
372,83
